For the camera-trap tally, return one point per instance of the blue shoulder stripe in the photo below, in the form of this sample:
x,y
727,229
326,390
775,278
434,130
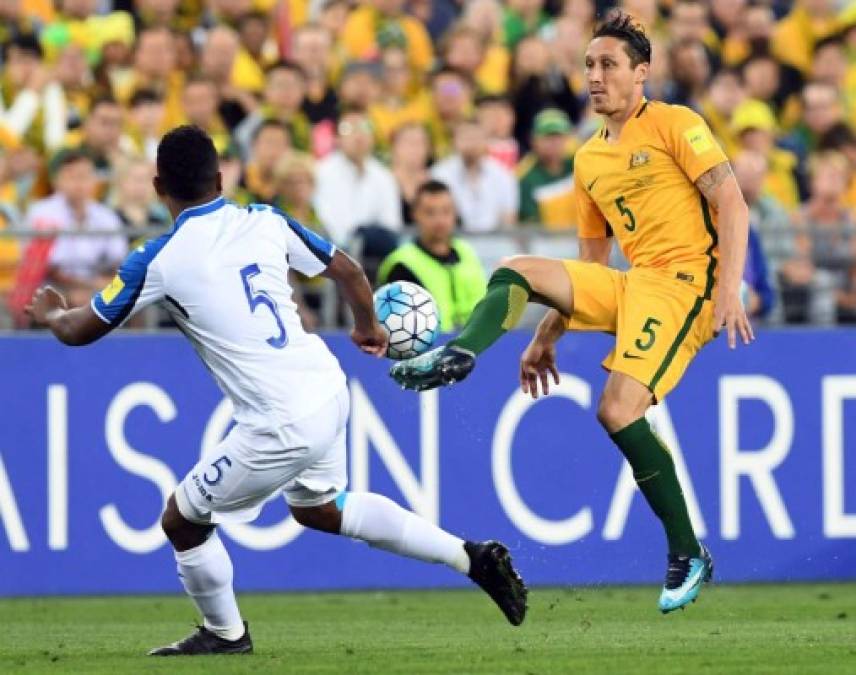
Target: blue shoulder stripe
x,y
115,303
320,247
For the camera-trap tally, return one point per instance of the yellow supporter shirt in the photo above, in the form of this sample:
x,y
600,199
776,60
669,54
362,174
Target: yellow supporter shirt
x,y
359,37
795,35
641,190
387,118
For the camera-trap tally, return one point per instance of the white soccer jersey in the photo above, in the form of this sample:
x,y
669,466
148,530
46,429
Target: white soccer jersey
x,y
222,272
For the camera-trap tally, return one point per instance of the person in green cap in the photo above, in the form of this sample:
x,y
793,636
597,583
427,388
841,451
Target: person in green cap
x,y
545,175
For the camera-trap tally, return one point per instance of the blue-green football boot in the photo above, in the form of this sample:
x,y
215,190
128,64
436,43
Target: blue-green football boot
x,y
684,579
435,368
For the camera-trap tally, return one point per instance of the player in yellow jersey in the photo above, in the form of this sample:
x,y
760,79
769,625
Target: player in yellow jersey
x,y
654,179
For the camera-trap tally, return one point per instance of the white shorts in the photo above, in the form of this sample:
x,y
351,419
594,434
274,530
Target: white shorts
x,y
305,461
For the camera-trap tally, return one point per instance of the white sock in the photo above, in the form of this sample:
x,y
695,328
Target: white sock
x,y
384,524
206,572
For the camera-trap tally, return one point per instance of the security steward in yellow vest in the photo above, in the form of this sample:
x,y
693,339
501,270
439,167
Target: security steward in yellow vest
x,y
447,267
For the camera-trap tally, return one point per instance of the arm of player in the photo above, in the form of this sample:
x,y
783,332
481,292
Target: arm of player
x,y
367,334
74,327
720,188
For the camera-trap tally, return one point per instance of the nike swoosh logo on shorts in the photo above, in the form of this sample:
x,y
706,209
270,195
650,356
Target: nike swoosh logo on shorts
x,y
628,355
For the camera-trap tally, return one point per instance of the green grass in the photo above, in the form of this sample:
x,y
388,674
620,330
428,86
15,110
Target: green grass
x,y
732,629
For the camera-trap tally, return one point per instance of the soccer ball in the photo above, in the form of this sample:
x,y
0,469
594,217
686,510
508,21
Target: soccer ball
x,y
409,315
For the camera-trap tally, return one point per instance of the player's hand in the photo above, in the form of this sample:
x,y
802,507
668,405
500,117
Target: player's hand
x,y
536,364
372,340
44,301
729,313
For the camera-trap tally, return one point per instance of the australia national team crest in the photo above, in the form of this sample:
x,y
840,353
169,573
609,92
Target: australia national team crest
x,y
639,158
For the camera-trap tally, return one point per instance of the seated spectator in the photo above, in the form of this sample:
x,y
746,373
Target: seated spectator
x,y
32,104
841,138
796,33
135,202
452,96
401,100
284,91
312,50
755,127
144,125
817,282
270,142
79,265
830,66
410,157
254,31
75,77
537,83
821,110
469,51
376,24
201,101
496,115
354,188
724,94
774,83
445,265
750,169
360,86
100,139
485,192
234,73
546,174
690,66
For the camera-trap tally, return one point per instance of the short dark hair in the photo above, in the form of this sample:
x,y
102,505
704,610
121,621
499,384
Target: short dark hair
x,y
836,40
430,187
285,64
836,137
187,163
623,26
142,96
67,157
24,42
271,124
104,99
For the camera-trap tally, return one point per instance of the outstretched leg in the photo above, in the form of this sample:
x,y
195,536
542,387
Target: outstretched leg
x,y
384,524
622,413
517,281
205,570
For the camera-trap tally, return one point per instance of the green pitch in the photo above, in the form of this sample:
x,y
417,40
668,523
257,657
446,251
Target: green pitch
x,y
733,629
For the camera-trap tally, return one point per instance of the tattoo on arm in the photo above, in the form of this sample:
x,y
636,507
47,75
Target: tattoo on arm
x,y
712,179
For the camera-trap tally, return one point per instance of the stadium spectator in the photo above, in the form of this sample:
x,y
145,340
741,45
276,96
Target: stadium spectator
x,y
796,34
841,138
496,115
485,192
774,83
469,51
270,142
724,94
360,86
537,83
200,102
452,94
234,73
755,127
74,75
354,188
689,22
154,69
445,265
284,92
409,159
821,110
101,140
144,124
690,66
79,265
135,202
546,174
750,169
830,65
401,101
254,32
376,24
312,50
32,103
817,281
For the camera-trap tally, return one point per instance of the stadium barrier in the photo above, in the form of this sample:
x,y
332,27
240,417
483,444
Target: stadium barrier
x,y
93,440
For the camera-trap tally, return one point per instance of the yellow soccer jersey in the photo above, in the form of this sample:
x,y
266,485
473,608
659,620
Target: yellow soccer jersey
x,y
641,190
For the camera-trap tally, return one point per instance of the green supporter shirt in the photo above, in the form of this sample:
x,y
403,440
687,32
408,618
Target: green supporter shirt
x,y
535,175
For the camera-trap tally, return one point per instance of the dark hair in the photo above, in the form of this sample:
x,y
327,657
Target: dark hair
x,y
286,65
199,79
187,163
104,99
25,42
271,124
623,26
836,137
494,99
836,39
445,69
66,157
430,187
141,96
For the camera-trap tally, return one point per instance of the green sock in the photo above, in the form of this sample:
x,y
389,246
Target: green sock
x,y
497,312
654,472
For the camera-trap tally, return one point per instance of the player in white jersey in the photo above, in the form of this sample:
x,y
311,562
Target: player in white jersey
x,y
222,272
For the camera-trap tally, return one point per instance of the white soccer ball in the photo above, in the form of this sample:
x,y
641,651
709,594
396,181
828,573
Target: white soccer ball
x,y
409,315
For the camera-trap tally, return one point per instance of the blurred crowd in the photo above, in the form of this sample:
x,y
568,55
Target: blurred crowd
x,y
339,112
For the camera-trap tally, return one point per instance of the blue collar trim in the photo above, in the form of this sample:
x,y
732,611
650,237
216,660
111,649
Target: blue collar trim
x,y
200,210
